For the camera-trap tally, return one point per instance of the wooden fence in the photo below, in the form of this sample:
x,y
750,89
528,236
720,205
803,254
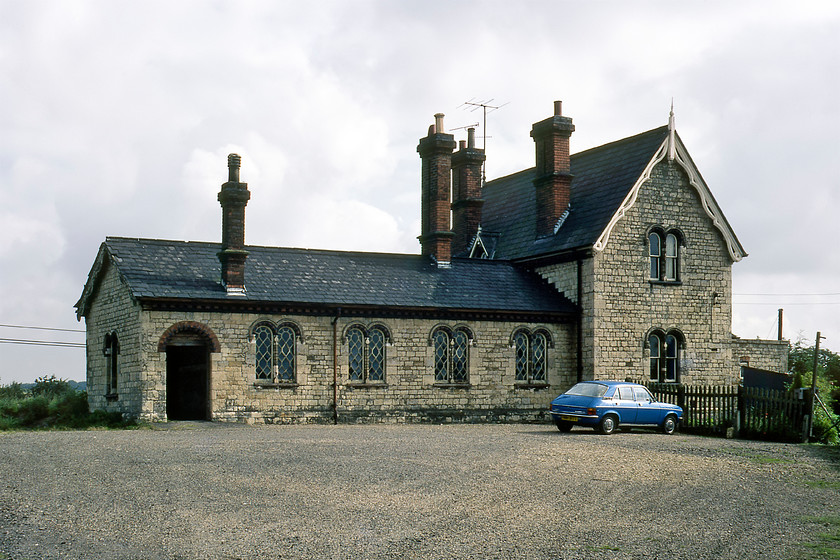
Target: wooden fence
x,y
746,412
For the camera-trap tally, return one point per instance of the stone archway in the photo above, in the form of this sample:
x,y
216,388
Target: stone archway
x,y
188,346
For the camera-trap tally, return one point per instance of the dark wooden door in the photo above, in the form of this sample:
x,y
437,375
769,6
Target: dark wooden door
x,y
187,382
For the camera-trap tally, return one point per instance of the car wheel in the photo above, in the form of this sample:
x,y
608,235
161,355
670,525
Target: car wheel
x,y
563,426
669,425
608,424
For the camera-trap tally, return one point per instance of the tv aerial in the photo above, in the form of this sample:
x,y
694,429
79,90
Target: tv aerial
x,y
486,106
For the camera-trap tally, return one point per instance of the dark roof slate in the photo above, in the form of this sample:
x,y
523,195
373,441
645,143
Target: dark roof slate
x,y
603,177
158,269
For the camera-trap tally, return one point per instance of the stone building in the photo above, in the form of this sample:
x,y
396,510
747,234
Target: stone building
x,y
612,263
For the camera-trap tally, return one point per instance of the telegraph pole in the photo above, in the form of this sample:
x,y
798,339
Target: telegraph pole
x,y
814,385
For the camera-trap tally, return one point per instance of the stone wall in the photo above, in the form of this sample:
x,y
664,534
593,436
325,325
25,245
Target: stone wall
x,y
408,394
770,355
113,311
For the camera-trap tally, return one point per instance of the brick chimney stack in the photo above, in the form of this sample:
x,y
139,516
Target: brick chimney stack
x,y
436,155
233,198
552,180
466,192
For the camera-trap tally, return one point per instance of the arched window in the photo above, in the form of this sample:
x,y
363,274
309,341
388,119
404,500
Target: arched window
x,y
451,355
665,356
531,362
655,252
366,353
664,255
671,362
111,350
276,352
671,257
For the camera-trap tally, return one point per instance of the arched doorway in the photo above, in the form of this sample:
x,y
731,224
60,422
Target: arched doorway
x,y
188,346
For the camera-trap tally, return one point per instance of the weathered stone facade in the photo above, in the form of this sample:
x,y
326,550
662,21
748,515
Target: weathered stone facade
x,y
620,304
628,304
409,392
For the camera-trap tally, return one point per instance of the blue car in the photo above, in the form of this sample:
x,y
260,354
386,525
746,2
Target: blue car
x,y
609,405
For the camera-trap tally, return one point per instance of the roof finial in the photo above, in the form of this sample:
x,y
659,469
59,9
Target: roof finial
x,y
672,130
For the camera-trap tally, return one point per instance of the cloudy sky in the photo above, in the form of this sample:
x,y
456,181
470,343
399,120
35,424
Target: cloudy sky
x,y
116,118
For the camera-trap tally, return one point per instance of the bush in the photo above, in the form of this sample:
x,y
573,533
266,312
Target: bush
x,y
825,429
33,410
52,403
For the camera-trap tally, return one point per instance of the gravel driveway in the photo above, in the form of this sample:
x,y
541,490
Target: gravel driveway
x,y
222,491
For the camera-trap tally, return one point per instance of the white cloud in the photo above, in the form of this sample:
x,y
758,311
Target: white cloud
x,y
117,119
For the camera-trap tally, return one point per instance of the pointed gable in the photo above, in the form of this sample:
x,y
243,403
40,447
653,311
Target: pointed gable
x,y
606,180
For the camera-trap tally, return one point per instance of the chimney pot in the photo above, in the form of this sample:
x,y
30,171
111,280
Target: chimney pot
x,y
234,162
471,137
462,145
439,123
558,108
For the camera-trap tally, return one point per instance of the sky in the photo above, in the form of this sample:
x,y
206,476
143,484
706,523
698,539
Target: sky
x,y
116,119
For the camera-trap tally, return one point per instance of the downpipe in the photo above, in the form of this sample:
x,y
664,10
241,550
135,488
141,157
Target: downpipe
x,y
335,365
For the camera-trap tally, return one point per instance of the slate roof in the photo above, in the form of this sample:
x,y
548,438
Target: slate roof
x,y
179,270
603,176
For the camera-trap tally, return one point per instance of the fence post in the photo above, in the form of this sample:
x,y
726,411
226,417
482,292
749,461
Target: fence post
x,y
739,416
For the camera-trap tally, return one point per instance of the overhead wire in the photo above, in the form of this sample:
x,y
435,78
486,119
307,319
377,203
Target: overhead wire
x,y
33,342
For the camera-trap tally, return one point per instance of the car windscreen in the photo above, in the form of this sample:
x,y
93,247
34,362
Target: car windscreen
x,y
588,390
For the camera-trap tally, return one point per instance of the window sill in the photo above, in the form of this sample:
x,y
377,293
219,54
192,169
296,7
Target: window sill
x,y
535,386
665,282
112,397
368,385
271,385
444,385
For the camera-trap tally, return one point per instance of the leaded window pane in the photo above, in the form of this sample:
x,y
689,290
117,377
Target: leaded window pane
x,y
671,253
376,355
441,342
460,344
539,357
671,358
356,352
521,343
286,354
264,338
655,254
654,357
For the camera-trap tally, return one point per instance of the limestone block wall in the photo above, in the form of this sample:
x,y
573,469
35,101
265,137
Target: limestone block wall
x,y
770,355
409,392
113,311
627,304
564,276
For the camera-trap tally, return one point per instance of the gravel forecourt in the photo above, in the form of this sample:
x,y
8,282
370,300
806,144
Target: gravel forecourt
x,y
226,491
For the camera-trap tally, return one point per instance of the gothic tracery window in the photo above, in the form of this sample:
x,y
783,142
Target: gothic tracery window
x,y
366,353
276,352
531,361
451,355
